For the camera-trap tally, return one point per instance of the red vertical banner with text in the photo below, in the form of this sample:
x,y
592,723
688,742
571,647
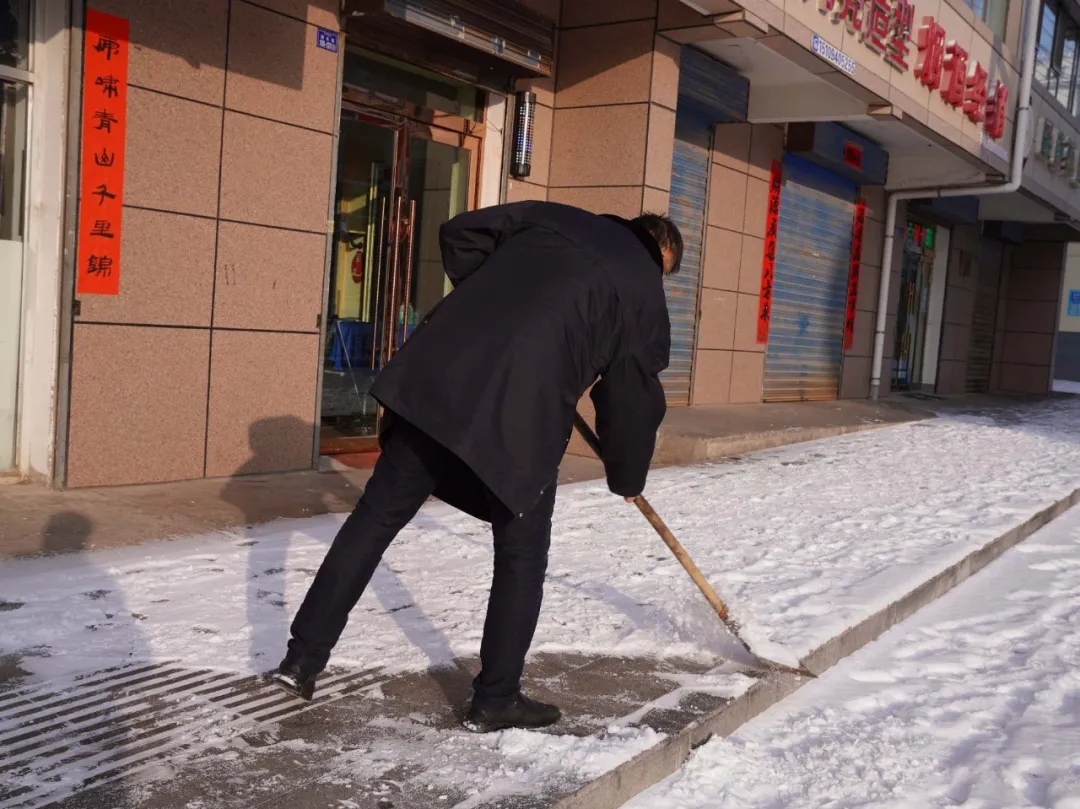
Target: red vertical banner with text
x,y
853,273
104,125
768,262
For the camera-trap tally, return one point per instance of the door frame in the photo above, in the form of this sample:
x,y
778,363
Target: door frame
x,y
428,125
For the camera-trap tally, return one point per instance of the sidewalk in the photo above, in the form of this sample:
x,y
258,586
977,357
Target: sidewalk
x,y
127,675
130,515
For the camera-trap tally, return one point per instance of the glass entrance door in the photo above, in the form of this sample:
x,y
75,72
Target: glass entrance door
x,y
398,182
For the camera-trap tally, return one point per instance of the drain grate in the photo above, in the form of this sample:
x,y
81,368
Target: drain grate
x,y
58,739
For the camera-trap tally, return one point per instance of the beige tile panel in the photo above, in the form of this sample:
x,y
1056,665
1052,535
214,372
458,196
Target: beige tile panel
x,y
620,200
579,158
610,64
317,12
166,272
955,342
177,46
138,405
598,12
544,89
750,264
665,72
757,207
727,198
655,201
275,174
855,377
951,377
873,244
1033,379
862,344
716,329
1037,317
766,145
1035,284
268,278
520,191
731,146
1028,349
658,154
869,285
262,402
747,377
172,154
712,377
276,70
746,319
723,252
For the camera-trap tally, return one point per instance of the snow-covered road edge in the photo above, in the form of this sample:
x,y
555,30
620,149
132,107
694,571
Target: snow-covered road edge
x,y
619,785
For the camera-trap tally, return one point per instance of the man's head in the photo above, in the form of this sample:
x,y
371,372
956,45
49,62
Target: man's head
x,y
667,237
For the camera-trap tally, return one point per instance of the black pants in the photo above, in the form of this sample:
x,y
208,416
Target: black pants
x,y
406,473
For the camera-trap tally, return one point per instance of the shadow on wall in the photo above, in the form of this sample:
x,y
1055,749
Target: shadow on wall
x,y
195,32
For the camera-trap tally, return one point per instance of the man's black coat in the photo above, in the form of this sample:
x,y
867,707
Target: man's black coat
x,y
547,298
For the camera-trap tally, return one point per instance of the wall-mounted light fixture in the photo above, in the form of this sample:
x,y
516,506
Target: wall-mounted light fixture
x,y
524,119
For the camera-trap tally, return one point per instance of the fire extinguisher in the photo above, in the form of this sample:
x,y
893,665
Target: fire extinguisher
x,y
358,266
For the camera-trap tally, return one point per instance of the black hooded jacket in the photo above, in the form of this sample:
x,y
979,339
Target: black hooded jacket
x,y
547,300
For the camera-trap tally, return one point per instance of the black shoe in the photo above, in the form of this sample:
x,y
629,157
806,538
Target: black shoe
x,y
521,713
291,676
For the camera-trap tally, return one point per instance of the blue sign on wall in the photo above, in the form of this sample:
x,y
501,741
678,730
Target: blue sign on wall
x,y
1074,303
327,40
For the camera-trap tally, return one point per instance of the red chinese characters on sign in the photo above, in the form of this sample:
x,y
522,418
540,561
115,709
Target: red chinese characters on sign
x,y
104,119
896,53
853,273
956,70
768,261
975,93
995,111
878,25
931,59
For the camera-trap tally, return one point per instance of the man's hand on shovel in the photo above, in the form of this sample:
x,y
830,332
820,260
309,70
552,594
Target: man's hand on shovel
x,y
680,553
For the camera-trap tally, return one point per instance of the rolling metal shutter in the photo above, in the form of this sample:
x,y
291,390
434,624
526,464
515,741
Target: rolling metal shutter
x,y
984,319
709,93
813,252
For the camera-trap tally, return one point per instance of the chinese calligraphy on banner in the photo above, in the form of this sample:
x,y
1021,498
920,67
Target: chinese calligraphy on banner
x,y
104,120
885,27
768,262
853,272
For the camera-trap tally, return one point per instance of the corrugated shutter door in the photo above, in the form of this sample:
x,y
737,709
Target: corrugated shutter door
x,y
813,251
689,184
984,319
709,93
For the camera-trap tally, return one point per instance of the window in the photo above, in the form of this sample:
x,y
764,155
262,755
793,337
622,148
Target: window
x,y
991,12
1057,54
15,34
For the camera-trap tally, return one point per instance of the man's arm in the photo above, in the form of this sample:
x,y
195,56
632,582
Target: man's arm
x,y
630,406
467,240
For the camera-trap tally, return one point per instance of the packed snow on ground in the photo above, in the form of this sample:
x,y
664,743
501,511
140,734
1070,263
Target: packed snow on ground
x,y
1065,386
974,702
802,542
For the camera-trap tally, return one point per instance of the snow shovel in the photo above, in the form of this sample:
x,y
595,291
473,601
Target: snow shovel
x,y
688,565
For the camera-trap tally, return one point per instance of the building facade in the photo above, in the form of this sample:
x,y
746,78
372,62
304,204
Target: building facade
x,y
221,216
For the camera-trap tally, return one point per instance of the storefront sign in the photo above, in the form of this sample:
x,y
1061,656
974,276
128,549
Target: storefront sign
x,y
853,156
768,262
885,27
1074,303
104,124
853,273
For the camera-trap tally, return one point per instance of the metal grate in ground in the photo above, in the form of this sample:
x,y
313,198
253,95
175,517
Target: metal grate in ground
x,y
59,738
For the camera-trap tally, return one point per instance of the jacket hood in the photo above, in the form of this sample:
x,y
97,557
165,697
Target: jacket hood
x,y
643,236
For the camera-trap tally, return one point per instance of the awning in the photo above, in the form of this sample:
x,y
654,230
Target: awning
x,y
484,41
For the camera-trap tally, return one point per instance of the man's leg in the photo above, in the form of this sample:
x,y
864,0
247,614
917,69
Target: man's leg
x,y
517,589
404,476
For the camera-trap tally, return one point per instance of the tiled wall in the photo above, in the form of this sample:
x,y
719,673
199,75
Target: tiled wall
x,y
206,362
1033,290
960,290
729,362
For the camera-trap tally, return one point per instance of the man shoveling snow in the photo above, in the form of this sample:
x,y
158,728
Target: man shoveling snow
x,y
480,404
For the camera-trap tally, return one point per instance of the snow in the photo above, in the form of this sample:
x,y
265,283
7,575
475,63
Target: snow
x,y
801,542
973,702
1065,386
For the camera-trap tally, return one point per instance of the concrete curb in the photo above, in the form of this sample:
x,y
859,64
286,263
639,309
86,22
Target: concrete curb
x,y
619,785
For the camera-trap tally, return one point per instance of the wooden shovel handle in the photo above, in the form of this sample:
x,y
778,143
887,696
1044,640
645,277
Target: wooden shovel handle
x,y
665,533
